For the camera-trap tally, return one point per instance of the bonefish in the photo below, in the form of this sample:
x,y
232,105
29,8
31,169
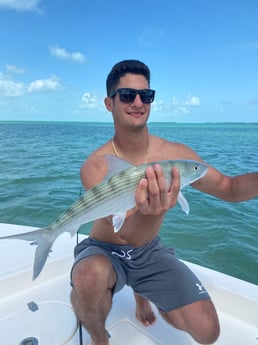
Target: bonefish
x,y
115,195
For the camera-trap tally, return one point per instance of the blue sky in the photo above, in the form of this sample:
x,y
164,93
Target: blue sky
x,y
55,56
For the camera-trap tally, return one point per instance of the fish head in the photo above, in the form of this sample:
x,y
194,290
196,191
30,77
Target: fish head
x,y
191,171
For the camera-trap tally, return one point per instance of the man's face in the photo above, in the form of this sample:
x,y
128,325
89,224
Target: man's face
x,y
135,113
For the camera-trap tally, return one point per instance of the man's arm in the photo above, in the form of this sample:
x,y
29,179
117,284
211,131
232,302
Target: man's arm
x,y
93,171
229,188
232,189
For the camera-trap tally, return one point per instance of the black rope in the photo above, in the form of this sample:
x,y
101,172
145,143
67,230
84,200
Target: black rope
x,y
80,334
77,241
80,324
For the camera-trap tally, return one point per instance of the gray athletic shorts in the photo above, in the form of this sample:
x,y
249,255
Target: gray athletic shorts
x,y
152,271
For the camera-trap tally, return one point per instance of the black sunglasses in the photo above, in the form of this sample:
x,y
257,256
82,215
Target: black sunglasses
x,y
127,95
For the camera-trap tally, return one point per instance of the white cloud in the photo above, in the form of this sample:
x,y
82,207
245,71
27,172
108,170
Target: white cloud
x,y
158,105
175,102
14,69
10,88
90,101
51,84
185,105
20,5
177,106
192,101
61,53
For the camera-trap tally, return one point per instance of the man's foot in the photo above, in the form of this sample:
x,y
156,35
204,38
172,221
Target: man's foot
x,y
102,342
93,343
144,312
105,342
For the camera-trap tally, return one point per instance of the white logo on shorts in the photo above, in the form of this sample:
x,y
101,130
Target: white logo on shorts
x,y
201,288
124,254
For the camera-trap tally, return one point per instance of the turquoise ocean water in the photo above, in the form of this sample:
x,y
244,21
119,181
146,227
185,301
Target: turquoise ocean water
x,y
39,179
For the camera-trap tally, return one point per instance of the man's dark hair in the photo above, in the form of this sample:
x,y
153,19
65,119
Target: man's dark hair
x,y
121,68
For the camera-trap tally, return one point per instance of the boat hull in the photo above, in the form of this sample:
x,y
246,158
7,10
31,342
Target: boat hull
x,y
42,310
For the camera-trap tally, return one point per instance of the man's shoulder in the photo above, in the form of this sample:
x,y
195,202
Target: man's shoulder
x,y
169,149
98,155
94,162
94,168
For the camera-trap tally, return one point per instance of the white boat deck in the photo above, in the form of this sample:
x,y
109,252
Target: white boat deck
x,y
42,309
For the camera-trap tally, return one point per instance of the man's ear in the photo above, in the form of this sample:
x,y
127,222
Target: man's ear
x,y
108,103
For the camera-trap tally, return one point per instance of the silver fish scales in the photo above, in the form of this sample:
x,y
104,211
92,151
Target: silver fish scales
x,y
113,196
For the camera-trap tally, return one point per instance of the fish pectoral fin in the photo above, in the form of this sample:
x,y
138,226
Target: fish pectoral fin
x,y
118,221
183,202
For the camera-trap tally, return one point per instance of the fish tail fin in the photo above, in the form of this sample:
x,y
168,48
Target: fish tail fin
x,y
43,239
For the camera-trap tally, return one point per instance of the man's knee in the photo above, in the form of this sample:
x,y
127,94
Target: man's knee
x,y
199,319
209,332
94,271
209,322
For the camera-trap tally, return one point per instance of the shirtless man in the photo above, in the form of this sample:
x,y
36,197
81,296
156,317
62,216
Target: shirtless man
x,y
153,271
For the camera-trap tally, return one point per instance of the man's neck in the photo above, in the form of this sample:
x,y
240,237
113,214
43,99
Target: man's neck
x,y
133,147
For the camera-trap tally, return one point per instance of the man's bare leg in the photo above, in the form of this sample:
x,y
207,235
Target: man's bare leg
x,y
199,319
93,279
204,328
144,312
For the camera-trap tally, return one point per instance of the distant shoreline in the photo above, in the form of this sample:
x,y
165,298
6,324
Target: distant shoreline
x,y
111,123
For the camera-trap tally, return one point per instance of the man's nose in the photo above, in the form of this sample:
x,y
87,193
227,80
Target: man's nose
x,y
137,101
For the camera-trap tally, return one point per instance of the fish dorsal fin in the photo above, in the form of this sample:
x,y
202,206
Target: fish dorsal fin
x,y
116,165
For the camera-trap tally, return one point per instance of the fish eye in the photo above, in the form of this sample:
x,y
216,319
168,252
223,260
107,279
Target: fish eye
x,y
196,168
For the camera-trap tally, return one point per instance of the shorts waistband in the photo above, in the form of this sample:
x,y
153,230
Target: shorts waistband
x,y
122,247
